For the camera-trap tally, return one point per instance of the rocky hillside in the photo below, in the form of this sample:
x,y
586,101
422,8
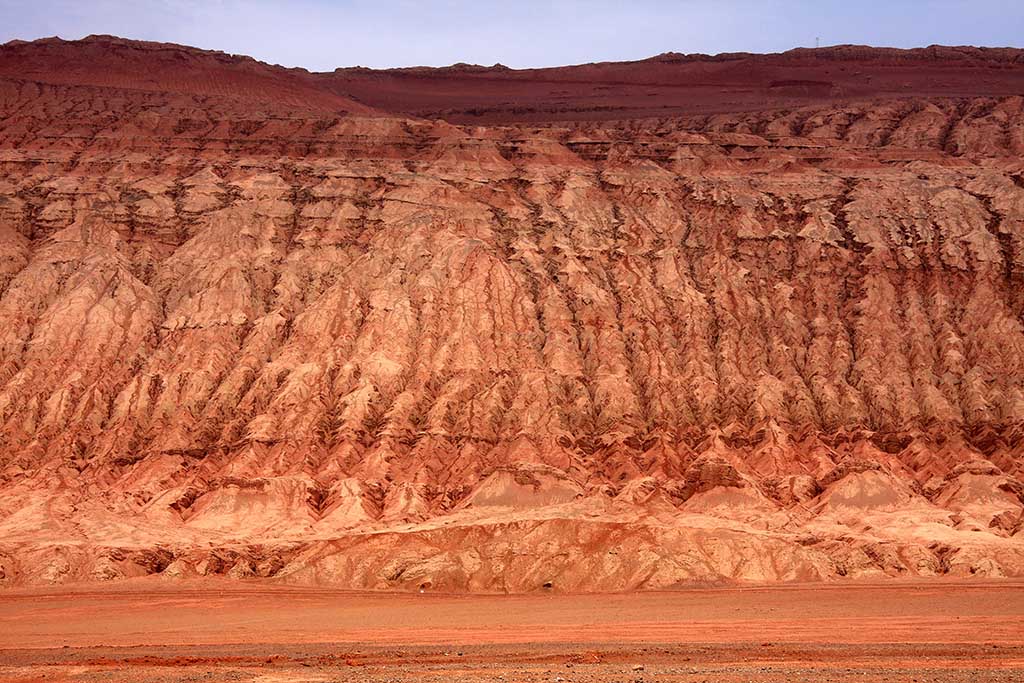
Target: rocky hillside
x,y
255,324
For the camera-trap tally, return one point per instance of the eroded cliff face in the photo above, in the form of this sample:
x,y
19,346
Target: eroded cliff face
x,y
349,348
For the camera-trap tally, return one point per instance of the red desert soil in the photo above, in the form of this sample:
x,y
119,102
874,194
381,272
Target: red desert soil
x,y
222,631
701,320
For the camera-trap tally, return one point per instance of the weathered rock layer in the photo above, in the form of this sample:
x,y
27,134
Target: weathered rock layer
x,y
249,326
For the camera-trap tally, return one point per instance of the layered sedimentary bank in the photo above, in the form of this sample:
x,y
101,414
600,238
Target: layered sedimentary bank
x,y
616,326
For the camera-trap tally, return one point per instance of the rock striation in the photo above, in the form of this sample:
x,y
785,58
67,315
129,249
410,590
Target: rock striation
x,y
256,322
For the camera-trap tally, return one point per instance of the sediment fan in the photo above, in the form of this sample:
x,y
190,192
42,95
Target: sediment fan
x,y
690,319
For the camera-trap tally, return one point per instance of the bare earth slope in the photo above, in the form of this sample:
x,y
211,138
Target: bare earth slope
x,y
261,322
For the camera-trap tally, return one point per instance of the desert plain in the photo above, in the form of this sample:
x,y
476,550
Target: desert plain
x,y
942,631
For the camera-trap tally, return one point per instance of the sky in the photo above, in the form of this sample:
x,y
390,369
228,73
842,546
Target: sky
x,y
322,34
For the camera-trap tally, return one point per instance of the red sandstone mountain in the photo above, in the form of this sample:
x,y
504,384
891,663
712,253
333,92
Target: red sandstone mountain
x,y
733,318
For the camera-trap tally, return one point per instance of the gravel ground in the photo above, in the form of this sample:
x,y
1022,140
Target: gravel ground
x,y
533,663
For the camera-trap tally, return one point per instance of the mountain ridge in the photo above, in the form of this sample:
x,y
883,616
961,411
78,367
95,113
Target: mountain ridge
x,y
267,324
662,85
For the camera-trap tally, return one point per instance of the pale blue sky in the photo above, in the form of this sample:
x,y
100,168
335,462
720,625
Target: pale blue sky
x,y
320,34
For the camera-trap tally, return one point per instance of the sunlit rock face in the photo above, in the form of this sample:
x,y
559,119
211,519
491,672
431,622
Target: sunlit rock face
x,y
251,325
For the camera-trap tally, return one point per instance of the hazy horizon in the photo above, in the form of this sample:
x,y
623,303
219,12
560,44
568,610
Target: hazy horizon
x,y
321,35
